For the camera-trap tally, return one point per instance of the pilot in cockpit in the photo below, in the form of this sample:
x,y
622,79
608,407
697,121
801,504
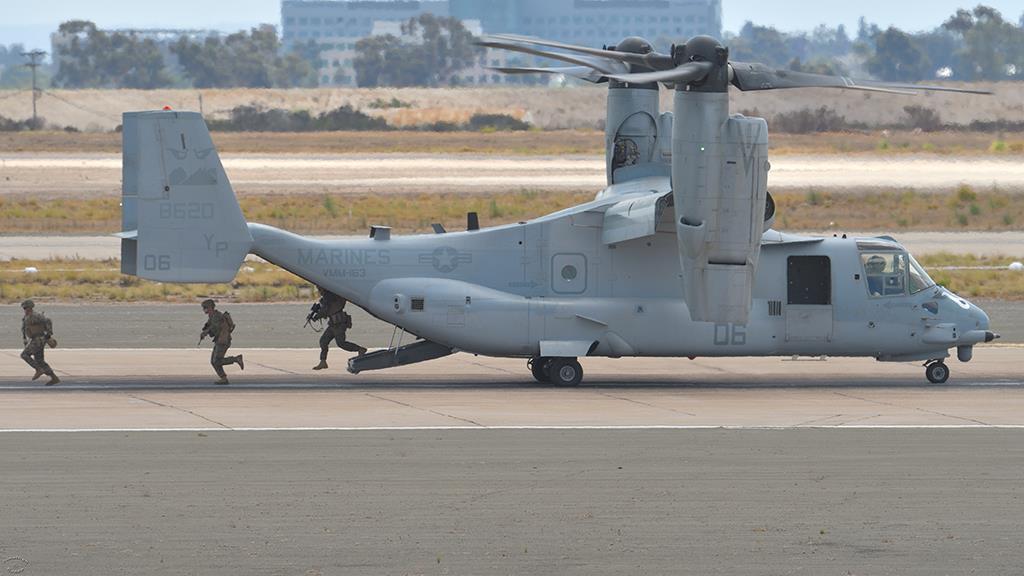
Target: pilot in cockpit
x,y
874,268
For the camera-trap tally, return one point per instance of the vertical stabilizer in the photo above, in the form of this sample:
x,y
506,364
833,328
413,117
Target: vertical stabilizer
x,y
180,219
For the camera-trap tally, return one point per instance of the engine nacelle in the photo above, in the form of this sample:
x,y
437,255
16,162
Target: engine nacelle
x,y
631,127
720,185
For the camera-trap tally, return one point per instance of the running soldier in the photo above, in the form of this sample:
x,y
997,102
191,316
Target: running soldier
x,y
332,308
37,333
219,327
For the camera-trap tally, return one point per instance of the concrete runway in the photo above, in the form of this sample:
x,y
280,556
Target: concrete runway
x,y
172,389
584,502
51,175
463,466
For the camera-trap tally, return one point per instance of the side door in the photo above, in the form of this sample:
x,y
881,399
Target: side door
x,y
809,299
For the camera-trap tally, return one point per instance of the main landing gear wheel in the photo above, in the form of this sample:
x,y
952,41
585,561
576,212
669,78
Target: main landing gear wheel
x,y
539,367
564,371
937,372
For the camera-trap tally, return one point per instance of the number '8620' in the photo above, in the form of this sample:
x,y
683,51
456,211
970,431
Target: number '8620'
x,y
186,211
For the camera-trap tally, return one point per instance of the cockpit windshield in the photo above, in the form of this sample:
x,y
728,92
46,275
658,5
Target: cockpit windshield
x,y
892,273
919,279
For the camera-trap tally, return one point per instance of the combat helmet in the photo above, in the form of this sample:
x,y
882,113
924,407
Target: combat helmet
x,y
28,305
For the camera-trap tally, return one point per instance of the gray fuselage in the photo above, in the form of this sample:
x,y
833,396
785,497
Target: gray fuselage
x,y
552,287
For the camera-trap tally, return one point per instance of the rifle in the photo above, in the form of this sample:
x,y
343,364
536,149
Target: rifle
x,y
202,335
314,312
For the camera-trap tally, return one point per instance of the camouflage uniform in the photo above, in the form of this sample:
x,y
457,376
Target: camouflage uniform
x,y
36,330
217,328
332,308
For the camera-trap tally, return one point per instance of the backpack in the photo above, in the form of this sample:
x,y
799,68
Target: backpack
x,y
228,322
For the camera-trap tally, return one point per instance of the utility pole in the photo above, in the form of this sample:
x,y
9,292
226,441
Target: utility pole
x,y
34,61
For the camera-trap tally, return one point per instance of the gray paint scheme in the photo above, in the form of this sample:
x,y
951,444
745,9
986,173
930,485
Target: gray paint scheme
x,y
587,280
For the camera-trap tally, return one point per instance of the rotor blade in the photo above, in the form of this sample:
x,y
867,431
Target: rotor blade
x,y
747,76
683,74
602,65
652,60
581,72
926,87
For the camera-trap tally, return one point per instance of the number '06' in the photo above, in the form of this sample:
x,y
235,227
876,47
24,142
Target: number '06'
x,y
156,262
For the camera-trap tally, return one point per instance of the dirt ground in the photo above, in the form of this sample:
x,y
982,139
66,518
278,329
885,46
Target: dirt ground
x,y
530,143
547,108
74,175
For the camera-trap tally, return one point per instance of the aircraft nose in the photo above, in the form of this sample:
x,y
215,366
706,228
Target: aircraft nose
x,y
974,325
977,318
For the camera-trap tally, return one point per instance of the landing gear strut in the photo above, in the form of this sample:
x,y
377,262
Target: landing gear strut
x,y
538,366
936,371
557,371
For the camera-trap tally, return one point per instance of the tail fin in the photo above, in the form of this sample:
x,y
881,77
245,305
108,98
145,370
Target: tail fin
x,y
180,219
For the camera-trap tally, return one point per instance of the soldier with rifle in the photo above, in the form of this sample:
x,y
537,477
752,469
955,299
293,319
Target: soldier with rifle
x,y
219,326
332,308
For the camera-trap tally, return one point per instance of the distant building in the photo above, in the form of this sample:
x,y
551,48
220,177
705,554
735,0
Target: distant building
x,y
595,22
338,58
328,21
336,25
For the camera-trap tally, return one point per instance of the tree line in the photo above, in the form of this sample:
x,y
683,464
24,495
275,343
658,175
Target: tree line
x,y
93,58
971,45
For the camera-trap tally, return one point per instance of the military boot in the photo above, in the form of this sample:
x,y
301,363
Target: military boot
x,y
221,381
321,366
53,379
241,363
39,372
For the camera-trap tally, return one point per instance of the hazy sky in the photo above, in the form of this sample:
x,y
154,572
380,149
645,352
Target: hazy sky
x,y
31,21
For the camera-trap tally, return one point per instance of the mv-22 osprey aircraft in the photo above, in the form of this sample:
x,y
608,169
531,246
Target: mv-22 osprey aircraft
x,y
676,257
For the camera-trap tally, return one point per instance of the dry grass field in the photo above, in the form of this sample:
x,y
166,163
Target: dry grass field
x,y
531,143
898,210
546,108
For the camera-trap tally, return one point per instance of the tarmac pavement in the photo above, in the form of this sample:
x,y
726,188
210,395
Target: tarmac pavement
x,y
78,175
567,502
463,465
173,389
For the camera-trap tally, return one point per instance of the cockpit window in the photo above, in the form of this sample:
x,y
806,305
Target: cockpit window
x,y
885,273
892,273
919,279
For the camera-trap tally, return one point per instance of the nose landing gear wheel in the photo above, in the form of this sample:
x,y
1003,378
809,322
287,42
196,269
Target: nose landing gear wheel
x,y
565,372
539,368
937,372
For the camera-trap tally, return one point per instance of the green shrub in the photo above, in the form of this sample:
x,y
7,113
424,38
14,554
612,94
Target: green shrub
x,y
254,118
806,121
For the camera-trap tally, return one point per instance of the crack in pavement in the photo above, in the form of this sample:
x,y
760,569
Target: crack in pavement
x,y
495,368
17,355
861,419
813,420
926,411
713,368
435,412
281,370
649,405
185,410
